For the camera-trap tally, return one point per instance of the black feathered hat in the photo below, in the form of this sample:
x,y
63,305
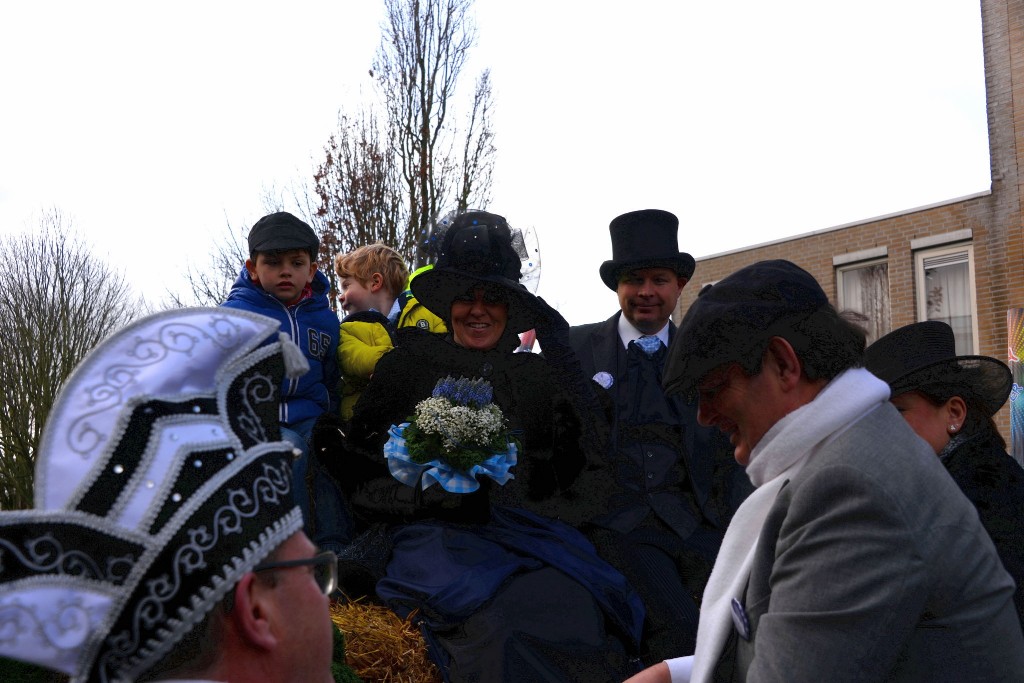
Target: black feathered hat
x,y
922,354
477,248
645,239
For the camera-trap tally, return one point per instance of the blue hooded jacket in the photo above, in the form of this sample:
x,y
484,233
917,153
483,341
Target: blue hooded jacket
x,y
315,328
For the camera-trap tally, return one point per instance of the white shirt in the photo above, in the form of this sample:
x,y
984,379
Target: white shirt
x,y
628,333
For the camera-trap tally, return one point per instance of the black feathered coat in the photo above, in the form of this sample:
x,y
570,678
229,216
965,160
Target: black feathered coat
x,y
532,395
994,482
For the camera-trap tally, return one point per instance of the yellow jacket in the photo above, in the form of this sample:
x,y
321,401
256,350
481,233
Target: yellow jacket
x,y
367,336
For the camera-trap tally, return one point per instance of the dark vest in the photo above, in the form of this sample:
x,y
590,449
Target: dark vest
x,y
648,439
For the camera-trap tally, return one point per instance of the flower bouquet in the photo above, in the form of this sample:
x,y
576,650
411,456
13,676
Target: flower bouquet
x,y
454,436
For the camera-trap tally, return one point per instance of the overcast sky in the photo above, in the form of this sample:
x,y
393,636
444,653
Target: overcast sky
x,y
154,125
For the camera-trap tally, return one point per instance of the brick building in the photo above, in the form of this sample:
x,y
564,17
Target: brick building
x,y
958,261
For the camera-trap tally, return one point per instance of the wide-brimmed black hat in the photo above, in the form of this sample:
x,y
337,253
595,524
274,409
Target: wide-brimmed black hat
x,y
645,239
922,354
477,249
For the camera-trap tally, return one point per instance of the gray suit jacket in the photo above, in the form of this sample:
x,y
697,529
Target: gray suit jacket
x,y
873,566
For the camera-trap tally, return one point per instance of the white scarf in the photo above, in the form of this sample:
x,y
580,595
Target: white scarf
x,y
776,459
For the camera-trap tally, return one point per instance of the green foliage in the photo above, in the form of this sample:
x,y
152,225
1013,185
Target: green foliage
x,y
339,669
14,671
425,447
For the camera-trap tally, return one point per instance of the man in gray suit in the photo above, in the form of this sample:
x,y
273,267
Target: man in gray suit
x,y
857,558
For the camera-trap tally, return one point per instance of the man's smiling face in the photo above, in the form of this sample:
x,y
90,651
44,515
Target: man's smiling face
x,y
647,297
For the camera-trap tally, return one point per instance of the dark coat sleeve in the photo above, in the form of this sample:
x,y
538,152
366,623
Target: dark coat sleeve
x,y
356,459
529,393
994,482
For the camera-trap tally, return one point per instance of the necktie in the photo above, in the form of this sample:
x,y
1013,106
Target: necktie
x,y
649,343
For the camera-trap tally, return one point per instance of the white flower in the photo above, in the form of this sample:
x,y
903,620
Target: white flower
x,y
458,425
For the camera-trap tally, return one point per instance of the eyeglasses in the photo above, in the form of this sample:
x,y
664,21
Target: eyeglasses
x,y
325,569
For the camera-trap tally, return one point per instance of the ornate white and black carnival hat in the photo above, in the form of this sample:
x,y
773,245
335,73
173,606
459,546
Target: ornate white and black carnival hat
x,y
161,478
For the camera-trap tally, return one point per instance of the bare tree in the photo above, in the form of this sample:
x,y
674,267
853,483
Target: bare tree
x,y
478,150
358,198
388,177
417,69
55,306
210,286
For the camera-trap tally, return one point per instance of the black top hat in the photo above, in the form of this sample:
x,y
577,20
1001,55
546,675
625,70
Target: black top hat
x,y
645,239
477,249
924,353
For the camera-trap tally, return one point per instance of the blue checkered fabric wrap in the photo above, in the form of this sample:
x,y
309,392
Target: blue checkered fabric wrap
x,y
404,469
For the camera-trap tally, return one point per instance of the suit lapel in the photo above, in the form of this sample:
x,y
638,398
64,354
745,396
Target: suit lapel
x,y
604,344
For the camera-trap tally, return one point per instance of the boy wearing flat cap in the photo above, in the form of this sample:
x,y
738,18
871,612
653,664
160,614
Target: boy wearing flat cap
x,y
280,279
670,503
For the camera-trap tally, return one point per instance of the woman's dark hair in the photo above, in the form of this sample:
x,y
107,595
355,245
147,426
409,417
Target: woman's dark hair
x,y
977,420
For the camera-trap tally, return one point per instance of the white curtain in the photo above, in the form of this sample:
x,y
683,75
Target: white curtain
x,y
866,291
947,288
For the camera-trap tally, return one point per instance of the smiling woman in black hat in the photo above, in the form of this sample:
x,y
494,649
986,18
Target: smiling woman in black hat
x,y
505,587
949,401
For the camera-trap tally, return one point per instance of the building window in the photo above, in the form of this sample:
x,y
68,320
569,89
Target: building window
x,y
864,288
945,292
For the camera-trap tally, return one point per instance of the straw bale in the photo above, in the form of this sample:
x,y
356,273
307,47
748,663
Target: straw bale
x,y
379,646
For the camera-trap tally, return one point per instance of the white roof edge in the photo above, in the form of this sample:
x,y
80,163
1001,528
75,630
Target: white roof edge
x,y
862,255
864,221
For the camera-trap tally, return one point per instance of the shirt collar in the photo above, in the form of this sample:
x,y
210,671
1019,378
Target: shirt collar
x,y
395,311
628,333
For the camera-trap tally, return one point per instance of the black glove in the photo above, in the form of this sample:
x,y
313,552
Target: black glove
x,y
330,445
553,335
546,318
385,499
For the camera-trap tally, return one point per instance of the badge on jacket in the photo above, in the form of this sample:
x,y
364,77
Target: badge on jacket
x,y
740,620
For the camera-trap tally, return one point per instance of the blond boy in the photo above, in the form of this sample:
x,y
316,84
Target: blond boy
x,y
375,298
